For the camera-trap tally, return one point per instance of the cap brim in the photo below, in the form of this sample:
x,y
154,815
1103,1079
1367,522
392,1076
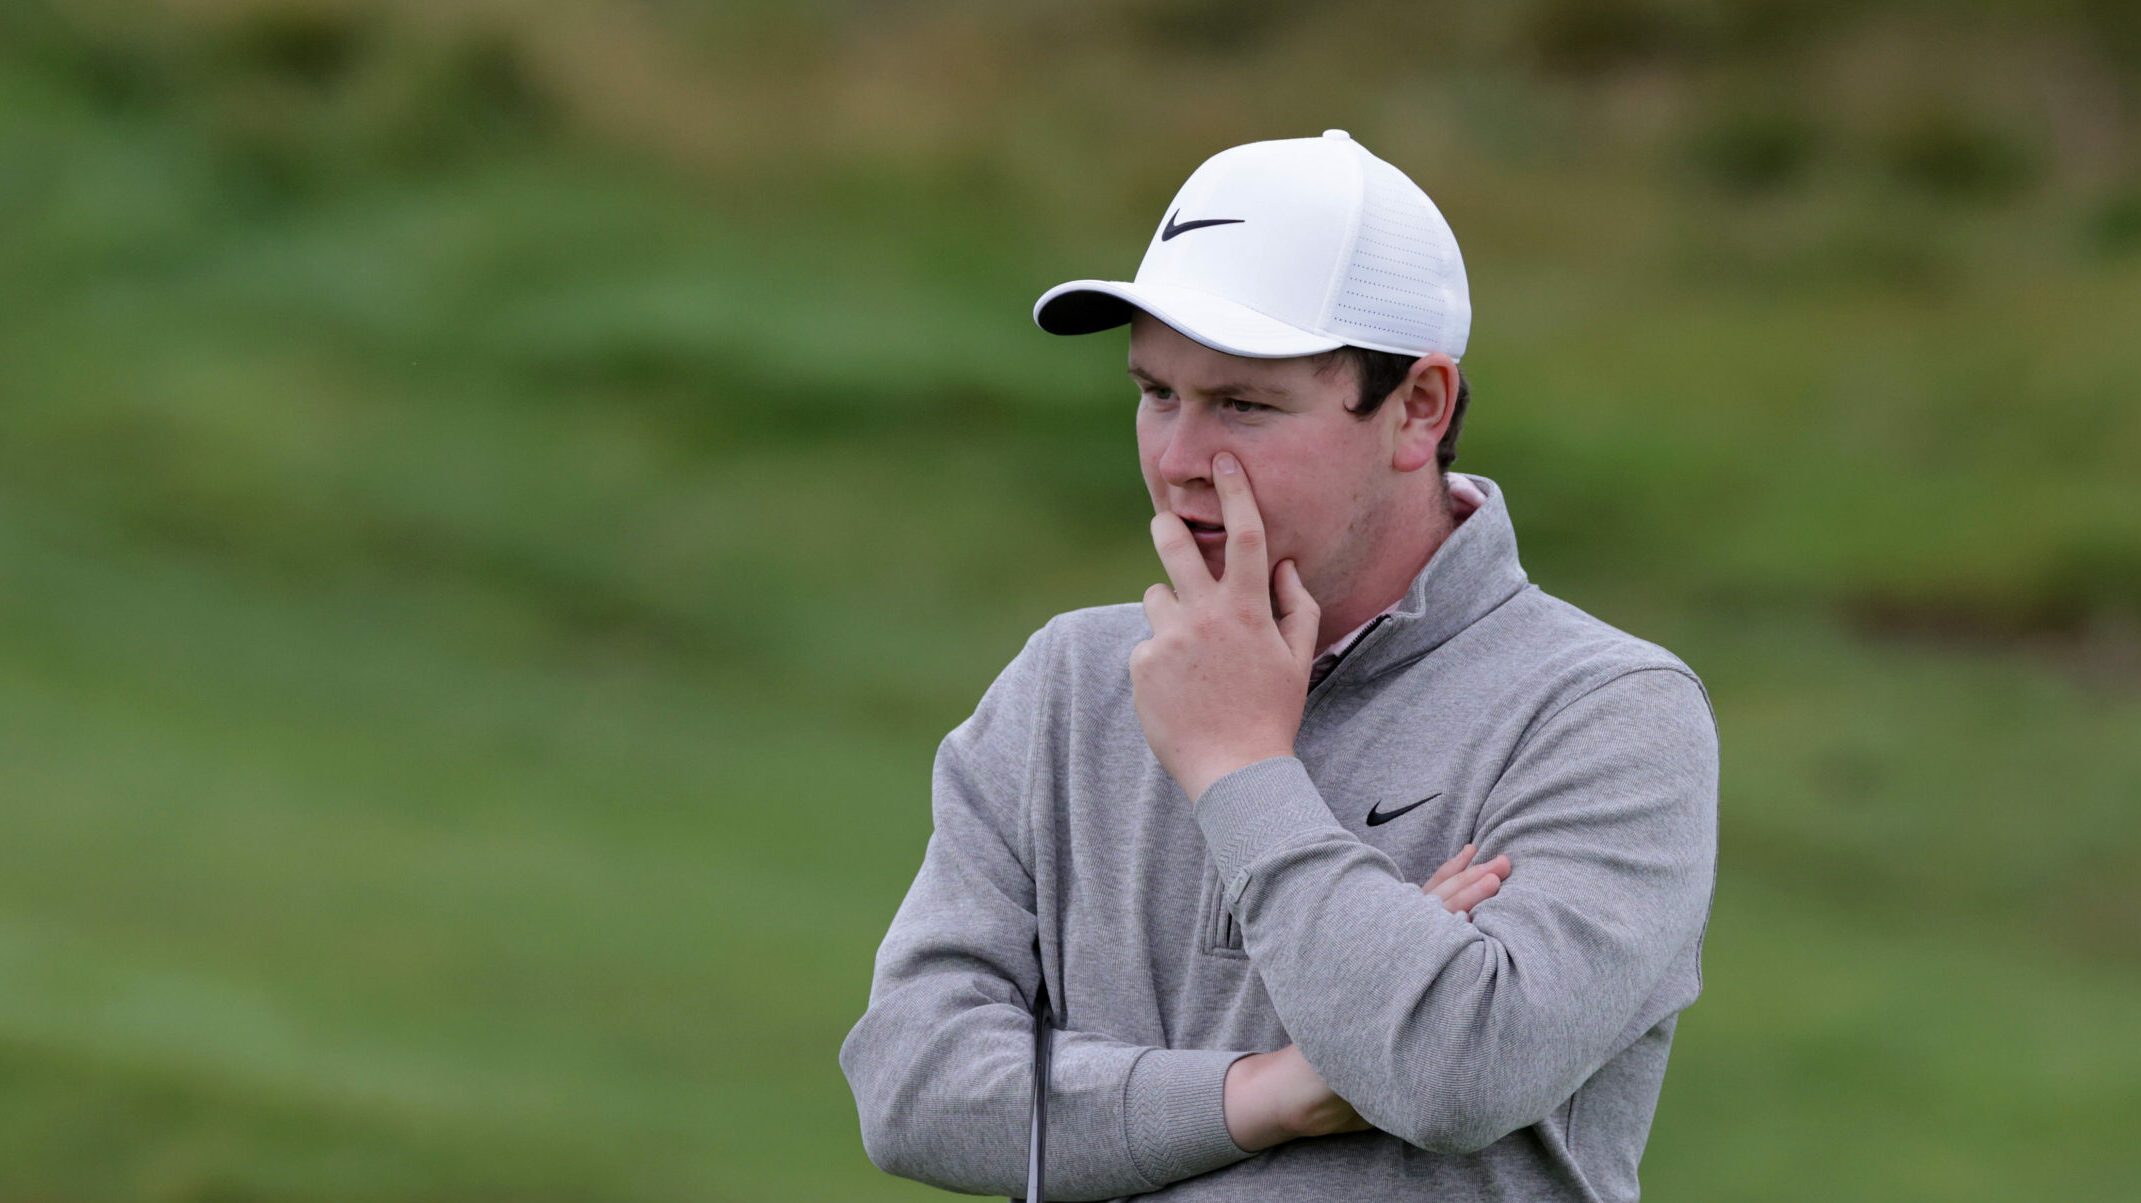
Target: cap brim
x,y
1087,306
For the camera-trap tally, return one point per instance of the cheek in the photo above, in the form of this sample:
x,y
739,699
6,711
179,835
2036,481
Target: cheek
x,y
1302,518
1279,498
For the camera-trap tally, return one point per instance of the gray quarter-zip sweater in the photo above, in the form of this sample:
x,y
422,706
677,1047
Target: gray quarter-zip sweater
x,y
1514,1055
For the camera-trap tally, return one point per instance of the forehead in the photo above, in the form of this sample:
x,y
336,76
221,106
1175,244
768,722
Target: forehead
x,y
1159,351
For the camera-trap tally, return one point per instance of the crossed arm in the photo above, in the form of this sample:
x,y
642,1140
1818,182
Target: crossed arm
x,y
1275,1097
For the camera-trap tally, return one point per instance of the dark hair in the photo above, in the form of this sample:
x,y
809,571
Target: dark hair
x,y
1380,373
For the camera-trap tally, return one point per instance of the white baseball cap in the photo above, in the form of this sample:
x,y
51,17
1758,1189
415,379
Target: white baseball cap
x,y
1290,247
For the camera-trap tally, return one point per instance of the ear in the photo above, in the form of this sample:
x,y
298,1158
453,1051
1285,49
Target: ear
x,y
1427,400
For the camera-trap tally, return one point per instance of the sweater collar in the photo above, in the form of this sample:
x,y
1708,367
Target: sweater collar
x,y
1475,570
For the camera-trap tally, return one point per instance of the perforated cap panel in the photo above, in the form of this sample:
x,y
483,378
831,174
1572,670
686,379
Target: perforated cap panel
x,y
1404,288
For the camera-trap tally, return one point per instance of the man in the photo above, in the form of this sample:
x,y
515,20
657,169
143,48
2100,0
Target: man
x,y
1200,823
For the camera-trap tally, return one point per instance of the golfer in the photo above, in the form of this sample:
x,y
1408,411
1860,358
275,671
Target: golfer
x,y
1241,832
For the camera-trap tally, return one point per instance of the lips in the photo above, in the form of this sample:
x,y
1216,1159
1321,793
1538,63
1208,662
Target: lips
x,y
1206,533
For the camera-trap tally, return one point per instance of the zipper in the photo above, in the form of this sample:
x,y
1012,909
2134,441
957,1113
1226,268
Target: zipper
x,y
1220,934
1324,686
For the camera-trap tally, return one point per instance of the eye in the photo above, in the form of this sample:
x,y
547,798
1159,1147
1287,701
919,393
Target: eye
x,y
1157,392
1243,407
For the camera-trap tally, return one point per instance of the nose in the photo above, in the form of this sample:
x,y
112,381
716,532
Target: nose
x,y
1193,438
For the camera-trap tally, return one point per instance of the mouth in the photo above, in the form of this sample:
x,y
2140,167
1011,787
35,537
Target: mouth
x,y
1207,534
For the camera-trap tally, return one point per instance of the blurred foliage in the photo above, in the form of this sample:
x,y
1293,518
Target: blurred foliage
x,y
498,502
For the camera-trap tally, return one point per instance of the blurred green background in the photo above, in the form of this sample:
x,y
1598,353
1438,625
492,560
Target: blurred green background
x,y
499,501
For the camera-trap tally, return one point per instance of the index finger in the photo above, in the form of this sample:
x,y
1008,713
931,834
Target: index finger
x,y
1247,568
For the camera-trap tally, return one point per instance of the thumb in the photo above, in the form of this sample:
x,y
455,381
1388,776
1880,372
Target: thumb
x,y
1298,612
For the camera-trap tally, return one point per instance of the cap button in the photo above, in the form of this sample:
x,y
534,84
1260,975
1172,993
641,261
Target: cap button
x,y
1336,133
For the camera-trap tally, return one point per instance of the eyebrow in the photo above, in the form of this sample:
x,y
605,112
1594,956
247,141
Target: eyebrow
x,y
1217,389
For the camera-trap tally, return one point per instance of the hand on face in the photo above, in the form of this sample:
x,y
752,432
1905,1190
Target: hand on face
x,y
1221,683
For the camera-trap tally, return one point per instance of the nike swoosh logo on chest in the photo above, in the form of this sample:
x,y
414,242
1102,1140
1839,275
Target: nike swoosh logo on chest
x,y
1377,816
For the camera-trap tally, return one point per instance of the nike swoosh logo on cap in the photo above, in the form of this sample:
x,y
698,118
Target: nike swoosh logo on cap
x,y
1376,816
1183,228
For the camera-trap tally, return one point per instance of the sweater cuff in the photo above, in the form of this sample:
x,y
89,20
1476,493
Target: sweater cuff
x,y
1175,1110
1258,808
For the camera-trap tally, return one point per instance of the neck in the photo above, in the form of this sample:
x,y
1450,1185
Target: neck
x,y
1391,565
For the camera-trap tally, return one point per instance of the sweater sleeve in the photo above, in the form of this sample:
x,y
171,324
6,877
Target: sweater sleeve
x,y
1451,1034
941,1061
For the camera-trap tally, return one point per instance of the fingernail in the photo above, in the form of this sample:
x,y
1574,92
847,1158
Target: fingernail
x,y
1227,464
